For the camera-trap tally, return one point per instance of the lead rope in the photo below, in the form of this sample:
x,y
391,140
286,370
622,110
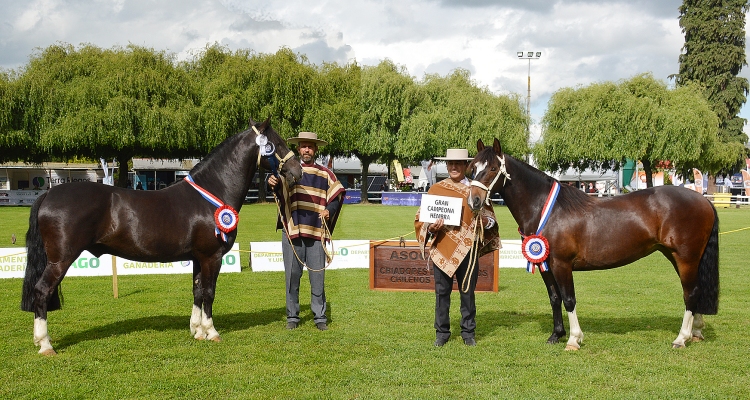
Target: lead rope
x,y
474,252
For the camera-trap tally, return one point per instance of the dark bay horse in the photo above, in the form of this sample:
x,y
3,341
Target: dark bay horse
x,y
585,234
174,224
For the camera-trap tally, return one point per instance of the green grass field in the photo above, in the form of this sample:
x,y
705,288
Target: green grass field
x,y
379,344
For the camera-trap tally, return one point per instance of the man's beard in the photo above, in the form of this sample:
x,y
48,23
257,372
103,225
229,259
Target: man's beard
x,y
307,159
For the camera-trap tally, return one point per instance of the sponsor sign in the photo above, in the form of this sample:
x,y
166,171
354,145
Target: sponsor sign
x,y
400,266
13,264
353,197
60,176
511,255
19,197
436,207
266,256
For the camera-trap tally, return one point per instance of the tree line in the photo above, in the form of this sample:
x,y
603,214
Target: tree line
x,y
135,101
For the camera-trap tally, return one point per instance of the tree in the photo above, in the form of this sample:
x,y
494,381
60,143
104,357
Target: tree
x,y
602,125
117,103
452,112
237,86
15,143
713,56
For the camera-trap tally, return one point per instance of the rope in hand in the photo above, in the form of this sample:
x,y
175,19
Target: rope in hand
x,y
474,252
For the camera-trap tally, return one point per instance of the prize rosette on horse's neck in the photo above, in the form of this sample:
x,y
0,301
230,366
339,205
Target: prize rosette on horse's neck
x,y
226,218
536,250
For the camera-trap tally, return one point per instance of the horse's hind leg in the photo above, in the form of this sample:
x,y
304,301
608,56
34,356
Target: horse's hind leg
x,y
686,331
555,301
698,326
44,289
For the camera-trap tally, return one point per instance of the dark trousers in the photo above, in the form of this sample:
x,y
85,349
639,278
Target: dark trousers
x,y
311,252
443,288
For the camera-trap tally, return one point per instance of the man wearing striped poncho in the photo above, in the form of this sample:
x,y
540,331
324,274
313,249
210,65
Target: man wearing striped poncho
x,y
309,212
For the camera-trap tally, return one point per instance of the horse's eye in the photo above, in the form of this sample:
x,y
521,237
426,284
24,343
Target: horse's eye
x,y
494,169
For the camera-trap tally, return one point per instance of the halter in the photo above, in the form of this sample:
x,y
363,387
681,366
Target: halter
x,y
268,151
502,171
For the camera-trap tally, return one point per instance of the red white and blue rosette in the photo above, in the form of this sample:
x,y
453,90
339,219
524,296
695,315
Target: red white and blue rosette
x,y
535,249
226,218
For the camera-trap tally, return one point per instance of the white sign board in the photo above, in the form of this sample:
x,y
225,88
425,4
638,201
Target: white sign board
x,y
13,264
266,256
511,255
436,207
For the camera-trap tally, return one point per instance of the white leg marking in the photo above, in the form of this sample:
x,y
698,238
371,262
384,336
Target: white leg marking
x,y
195,323
686,331
41,338
698,326
576,335
208,327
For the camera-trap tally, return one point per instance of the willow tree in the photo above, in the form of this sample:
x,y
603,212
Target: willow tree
x,y
238,85
367,105
713,56
117,103
334,112
453,112
603,124
15,142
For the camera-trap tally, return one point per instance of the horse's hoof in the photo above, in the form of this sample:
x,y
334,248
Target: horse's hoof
x,y
678,346
216,339
48,352
697,338
571,347
201,337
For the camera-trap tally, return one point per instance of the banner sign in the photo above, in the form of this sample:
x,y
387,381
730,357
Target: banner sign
x,y
511,255
436,207
266,256
19,197
13,264
400,266
60,176
353,196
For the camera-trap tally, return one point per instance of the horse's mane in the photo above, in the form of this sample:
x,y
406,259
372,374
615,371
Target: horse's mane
x,y
570,198
218,154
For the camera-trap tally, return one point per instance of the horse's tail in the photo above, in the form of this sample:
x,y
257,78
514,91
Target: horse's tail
x,y
708,273
36,262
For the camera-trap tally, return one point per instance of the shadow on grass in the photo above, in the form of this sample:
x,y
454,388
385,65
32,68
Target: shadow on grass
x,y
224,323
507,320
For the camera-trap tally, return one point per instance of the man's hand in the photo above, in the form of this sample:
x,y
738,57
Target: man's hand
x,y
435,227
324,214
273,181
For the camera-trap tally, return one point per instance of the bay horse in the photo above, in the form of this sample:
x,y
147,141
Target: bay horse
x,y
177,223
587,233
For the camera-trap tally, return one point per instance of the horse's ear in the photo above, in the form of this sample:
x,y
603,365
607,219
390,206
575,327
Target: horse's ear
x,y
250,123
496,146
480,145
266,123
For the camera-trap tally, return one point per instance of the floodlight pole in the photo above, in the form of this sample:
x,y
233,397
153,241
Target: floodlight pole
x,y
528,55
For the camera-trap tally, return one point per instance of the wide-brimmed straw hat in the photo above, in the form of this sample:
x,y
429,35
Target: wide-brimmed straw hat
x,y
456,155
307,137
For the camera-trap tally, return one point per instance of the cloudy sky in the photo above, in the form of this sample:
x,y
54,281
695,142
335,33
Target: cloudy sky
x,y
581,41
